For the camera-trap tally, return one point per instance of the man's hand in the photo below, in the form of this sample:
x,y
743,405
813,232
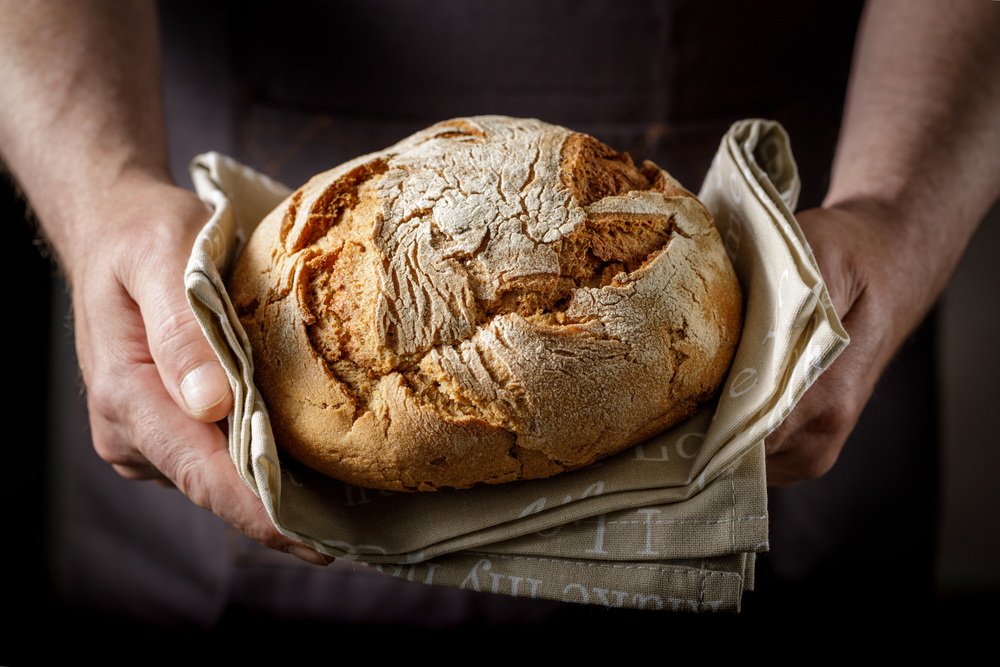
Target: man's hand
x,y
81,128
858,254
134,329
154,385
917,167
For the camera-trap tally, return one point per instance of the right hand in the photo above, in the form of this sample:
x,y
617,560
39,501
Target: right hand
x,y
154,385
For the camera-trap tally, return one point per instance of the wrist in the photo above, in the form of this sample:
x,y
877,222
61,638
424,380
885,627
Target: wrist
x,y
920,235
877,271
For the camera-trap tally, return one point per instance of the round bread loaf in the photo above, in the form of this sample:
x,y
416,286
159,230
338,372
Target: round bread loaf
x,y
491,299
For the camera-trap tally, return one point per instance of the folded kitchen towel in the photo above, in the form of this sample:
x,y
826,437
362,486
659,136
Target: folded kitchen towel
x,y
673,523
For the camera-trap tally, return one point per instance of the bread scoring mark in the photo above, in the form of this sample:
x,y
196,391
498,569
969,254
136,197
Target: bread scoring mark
x,y
492,207
449,234
462,128
554,284
471,380
474,194
593,171
325,212
291,213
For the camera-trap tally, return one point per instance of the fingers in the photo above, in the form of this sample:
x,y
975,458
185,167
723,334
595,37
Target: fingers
x,y
189,368
807,444
150,438
809,441
149,369
205,390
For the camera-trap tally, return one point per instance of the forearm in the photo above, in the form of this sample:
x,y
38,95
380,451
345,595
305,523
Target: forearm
x,y
921,130
81,127
81,106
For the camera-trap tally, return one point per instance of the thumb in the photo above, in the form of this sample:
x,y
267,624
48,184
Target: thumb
x,y
205,392
188,366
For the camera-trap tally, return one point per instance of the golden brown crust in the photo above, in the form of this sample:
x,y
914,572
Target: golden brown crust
x,y
491,299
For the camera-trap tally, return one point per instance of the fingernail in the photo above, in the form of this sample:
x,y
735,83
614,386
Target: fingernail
x,y
204,387
310,556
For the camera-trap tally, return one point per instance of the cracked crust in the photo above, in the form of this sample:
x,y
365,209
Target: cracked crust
x,y
490,299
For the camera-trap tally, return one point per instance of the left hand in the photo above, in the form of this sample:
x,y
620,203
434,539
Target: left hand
x,y
876,289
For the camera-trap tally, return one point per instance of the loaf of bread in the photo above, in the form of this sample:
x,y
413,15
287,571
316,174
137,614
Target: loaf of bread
x,y
491,299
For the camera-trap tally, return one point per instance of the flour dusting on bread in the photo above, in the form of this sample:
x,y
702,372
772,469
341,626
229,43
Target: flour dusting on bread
x,y
491,299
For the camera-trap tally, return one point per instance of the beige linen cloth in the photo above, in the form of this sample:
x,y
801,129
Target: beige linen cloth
x,y
673,523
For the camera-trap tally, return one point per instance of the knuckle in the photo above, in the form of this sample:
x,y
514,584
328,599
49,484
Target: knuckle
x,y
837,419
118,452
102,398
108,452
178,341
186,476
174,331
812,459
121,431
111,447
